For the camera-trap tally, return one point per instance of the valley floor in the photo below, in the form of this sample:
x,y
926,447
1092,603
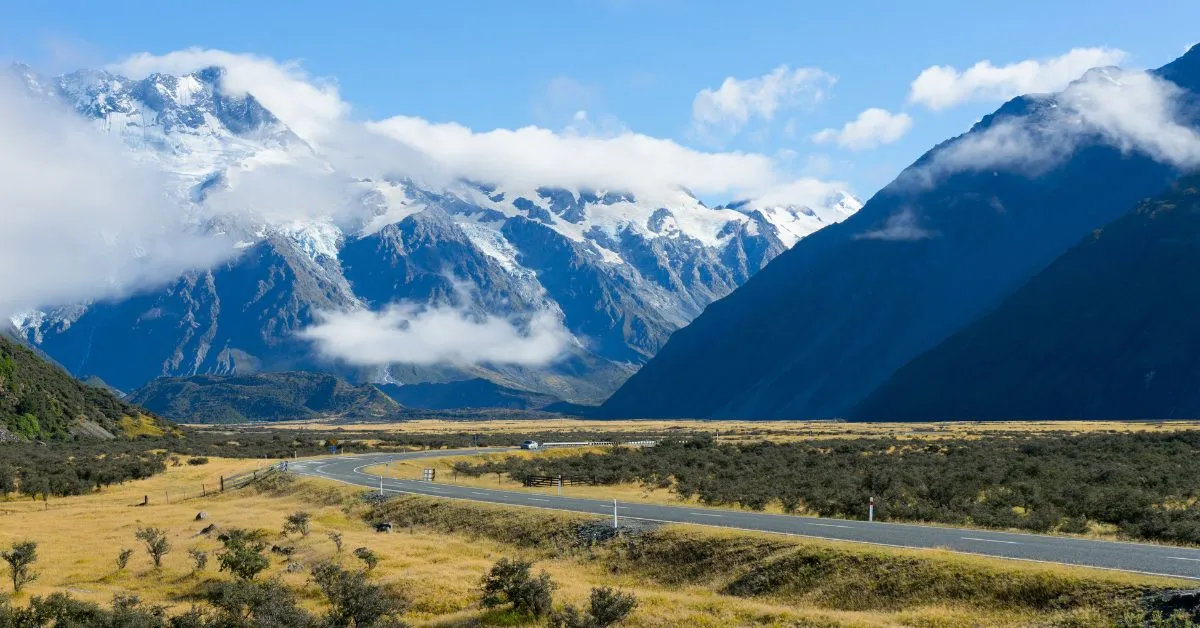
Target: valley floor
x,y
440,550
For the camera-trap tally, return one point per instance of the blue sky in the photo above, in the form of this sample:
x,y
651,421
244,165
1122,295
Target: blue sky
x,y
628,64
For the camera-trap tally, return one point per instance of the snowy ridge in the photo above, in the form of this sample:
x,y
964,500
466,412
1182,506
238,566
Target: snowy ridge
x,y
621,271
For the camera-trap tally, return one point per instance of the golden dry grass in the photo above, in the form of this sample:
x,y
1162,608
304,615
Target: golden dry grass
x,y
754,430
79,538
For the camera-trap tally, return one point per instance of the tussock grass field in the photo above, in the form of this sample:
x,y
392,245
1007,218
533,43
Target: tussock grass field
x,y
779,431
440,549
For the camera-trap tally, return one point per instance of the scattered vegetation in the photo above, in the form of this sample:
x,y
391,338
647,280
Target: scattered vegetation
x,y
156,544
512,582
369,558
243,555
20,561
1146,485
199,558
123,558
606,607
298,522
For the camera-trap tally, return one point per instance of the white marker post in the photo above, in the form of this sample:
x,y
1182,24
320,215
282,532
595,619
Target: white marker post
x,y
871,510
560,485
615,525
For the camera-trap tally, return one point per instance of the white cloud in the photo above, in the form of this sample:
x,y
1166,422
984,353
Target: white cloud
x,y
532,156
807,191
736,102
410,334
900,227
941,86
1132,110
308,106
78,220
870,129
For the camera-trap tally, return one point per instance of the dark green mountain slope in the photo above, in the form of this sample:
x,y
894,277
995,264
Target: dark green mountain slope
x,y
39,400
1109,330
471,393
262,397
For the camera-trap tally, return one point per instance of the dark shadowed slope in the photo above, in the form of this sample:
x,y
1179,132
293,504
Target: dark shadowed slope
x,y
831,319
471,393
39,400
262,397
1109,330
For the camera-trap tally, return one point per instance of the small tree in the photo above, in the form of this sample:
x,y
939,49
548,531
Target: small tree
x,y
354,600
20,561
336,537
199,558
243,556
156,544
512,582
368,557
123,558
297,522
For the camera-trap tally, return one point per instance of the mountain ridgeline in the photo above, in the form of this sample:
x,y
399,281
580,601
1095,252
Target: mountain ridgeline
x,y
263,397
620,271
830,320
1107,331
39,400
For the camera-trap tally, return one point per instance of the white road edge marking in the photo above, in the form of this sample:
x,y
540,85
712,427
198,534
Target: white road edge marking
x,y
537,499
828,525
1182,558
972,538
705,514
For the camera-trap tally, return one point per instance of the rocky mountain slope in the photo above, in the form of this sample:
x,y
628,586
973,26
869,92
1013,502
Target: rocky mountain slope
x,y
1107,331
831,319
38,400
620,272
262,397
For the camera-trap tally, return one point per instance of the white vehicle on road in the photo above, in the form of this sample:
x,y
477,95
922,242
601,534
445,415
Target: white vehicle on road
x,y
530,444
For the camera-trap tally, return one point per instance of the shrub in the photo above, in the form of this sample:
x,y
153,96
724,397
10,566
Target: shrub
x,y
336,537
156,544
369,558
606,608
354,600
297,523
242,603
197,460
512,582
20,561
123,558
199,558
243,555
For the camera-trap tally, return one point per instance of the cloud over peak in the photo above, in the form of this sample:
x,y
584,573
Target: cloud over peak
x,y
307,105
942,86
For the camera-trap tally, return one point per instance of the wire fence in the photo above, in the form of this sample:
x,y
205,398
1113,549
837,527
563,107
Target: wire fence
x,y
208,487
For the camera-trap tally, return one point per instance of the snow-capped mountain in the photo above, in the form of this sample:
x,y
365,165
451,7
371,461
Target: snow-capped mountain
x,y
620,271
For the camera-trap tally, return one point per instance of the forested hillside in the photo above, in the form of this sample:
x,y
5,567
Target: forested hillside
x,y
262,397
39,400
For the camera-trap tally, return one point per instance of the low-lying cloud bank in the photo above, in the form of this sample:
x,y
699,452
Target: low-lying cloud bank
x,y
415,334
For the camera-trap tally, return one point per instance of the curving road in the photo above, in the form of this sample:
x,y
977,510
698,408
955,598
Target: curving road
x,y
1134,557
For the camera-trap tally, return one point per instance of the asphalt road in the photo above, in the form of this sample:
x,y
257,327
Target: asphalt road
x,y
1134,557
